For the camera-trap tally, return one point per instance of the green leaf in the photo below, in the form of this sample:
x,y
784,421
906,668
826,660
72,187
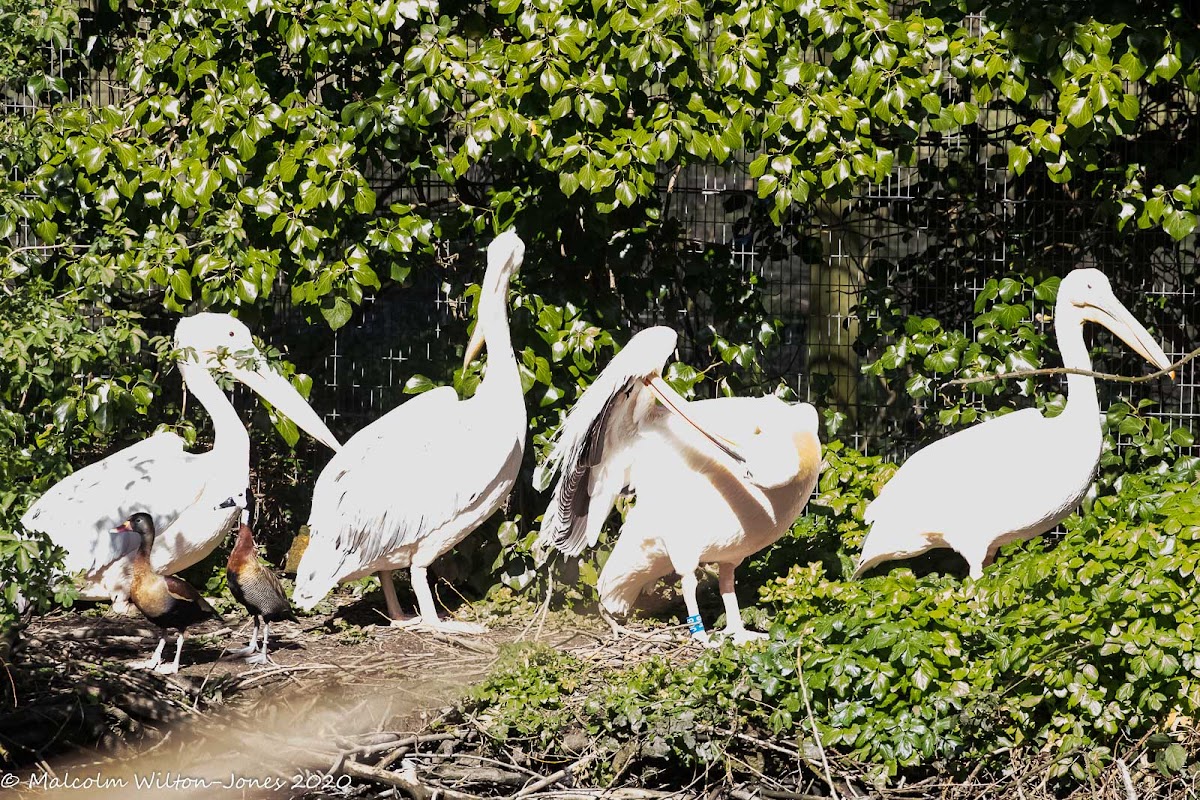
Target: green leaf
x,y
364,200
1171,759
181,283
337,313
1079,113
1018,158
417,384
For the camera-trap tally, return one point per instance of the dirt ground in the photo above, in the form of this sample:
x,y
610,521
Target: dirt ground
x,y
94,727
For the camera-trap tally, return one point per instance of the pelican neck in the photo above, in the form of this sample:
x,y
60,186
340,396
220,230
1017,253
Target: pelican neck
x,y
501,369
230,438
1081,389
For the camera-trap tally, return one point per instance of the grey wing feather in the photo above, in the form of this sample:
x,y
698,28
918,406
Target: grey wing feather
x,y
566,519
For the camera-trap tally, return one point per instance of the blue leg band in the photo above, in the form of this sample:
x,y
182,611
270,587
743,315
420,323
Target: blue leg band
x,y
695,624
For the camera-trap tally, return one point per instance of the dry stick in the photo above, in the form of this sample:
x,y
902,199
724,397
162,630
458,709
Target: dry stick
x,y
1105,376
813,722
550,780
1130,794
404,780
407,742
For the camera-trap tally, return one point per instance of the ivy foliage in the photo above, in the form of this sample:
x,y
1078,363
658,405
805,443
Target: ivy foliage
x,y
1067,647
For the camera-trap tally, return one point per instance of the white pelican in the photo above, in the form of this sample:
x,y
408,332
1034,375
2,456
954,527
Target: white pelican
x,y
1015,476
192,497
716,480
413,483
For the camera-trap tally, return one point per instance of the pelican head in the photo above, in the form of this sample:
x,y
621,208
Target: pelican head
x,y
1086,295
221,342
504,257
785,443
899,545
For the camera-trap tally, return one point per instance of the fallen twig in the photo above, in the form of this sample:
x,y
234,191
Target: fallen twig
x,y
406,779
1123,771
813,723
554,778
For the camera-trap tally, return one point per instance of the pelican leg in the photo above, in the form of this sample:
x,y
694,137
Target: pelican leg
x,y
261,657
154,660
427,618
251,648
688,584
389,595
733,613
172,668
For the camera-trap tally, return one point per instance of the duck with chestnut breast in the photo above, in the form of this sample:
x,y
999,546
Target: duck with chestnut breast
x,y
255,586
167,601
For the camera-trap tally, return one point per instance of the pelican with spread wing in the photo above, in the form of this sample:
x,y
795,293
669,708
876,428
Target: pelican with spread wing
x,y
715,480
1015,476
193,498
411,485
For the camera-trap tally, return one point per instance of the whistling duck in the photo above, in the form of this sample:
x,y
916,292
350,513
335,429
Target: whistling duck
x,y
255,587
165,600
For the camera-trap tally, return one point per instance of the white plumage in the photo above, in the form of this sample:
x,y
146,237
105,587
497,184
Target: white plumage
x,y
414,483
193,497
715,480
1015,476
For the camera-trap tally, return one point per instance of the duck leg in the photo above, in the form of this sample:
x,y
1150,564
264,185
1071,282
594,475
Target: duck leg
x,y
733,613
251,648
154,660
172,668
261,657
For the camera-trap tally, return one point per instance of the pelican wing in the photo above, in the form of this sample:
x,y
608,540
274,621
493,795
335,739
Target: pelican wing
x,y
597,441
155,475
953,469
1014,476
397,480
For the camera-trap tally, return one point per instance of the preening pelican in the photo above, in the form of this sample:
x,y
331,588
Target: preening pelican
x,y
412,484
1015,476
193,497
716,480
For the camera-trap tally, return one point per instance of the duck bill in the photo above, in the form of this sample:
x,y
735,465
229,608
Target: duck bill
x,y
122,528
279,392
676,403
1114,316
473,346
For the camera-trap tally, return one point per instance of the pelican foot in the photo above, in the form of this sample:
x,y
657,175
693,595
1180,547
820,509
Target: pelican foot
x,y
704,640
741,636
439,625
167,668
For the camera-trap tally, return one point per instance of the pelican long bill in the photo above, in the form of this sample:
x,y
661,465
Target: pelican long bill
x,y
1112,314
673,401
279,392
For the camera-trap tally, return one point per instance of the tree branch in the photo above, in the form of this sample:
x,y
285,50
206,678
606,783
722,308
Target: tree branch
x,y
1105,376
